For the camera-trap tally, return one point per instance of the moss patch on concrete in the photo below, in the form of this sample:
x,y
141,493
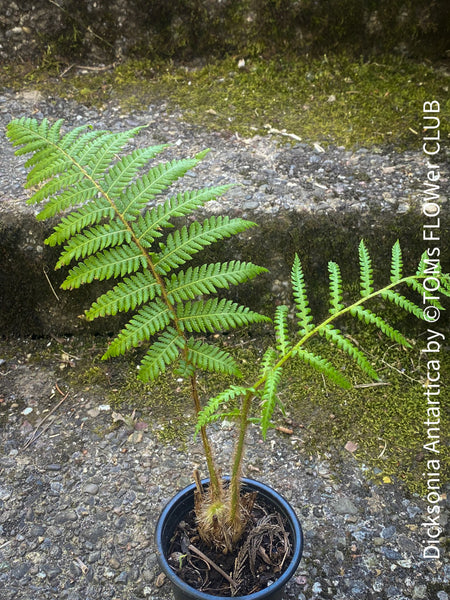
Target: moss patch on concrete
x,y
383,420
331,100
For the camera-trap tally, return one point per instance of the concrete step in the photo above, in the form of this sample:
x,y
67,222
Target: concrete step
x,y
32,302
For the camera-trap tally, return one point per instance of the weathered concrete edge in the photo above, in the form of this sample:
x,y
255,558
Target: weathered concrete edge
x,y
32,303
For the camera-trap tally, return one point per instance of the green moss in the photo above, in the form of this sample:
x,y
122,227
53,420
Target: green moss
x,y
333,99
384,419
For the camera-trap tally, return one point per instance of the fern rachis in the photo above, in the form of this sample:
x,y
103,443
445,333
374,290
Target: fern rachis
x,y
109,231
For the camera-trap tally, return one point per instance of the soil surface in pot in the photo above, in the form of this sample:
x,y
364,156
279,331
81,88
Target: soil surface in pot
x,y
260,558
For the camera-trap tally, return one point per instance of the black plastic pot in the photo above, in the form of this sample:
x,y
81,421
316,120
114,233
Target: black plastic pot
x,y
183,502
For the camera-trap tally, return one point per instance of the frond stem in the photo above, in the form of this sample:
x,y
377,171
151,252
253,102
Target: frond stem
x,y
238,456
214,482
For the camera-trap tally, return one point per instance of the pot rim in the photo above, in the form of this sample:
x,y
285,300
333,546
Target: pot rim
x,y
266,491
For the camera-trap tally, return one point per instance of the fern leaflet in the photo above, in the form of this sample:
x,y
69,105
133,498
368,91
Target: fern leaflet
x,y
206,415
305,320
366,271
184,243
323,366
214,314
162,353
268,361
336,304
183,204
210,358
281,330
122,173
336,337
269,398
403,303
116,262
396,263
76,191
140,192
367,316
206,279
150,319
90,214
126,295
92,240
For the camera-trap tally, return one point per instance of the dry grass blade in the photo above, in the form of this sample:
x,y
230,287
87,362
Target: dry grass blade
x,y
35,435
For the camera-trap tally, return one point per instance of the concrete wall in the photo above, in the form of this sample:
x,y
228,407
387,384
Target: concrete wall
x,y
108,30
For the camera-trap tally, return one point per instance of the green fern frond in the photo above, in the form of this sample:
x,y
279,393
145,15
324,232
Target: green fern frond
x,y
214,314
322,365
184,243
402,302
122,173
116,262
93,240
336,304
208,278
89,214
183,204
126,295
396,263
367,316
344,344
150,319
366,271
305,320
136,197
283,344
162,353
269,398
210,358
207,414
268,361
111,232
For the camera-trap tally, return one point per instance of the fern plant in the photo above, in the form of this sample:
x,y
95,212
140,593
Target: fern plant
x,y
113,224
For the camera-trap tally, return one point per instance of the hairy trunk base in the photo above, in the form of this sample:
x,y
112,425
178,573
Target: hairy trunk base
x,y
259,557
215,524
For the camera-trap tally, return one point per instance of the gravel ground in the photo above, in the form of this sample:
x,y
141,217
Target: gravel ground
x,y
79,504
275,175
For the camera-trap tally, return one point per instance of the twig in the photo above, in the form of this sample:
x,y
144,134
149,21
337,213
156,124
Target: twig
x,y
84,568
50,283
384,449
285,430
374,384
34,436
325,385
88,68
99,69
398,371
211,563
